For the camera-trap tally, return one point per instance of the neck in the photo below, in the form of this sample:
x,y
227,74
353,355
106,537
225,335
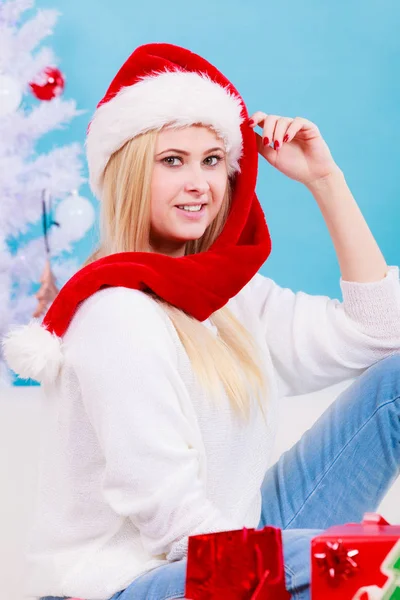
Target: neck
x,y
175,250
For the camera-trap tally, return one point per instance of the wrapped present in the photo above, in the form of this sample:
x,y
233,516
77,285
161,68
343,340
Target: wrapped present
x,y
244,564
357,561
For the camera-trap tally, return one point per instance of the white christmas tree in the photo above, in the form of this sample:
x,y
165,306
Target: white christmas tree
x,y
32,185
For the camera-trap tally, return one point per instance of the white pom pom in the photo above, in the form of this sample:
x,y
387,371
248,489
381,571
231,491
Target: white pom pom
x,y
33,352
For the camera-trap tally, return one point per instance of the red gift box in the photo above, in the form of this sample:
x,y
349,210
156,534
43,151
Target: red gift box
x,y
244,564
357,561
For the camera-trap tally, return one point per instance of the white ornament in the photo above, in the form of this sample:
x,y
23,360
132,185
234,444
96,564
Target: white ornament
x,y
76,215
10,95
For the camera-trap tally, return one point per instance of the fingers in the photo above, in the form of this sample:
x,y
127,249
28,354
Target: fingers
x,y
266,151
280,130
276,130
294,127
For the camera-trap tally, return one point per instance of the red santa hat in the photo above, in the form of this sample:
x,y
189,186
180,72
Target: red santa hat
x,y
154,90
160,85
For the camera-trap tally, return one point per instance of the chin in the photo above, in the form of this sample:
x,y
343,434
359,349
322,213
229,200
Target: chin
x,y
188,233
191,238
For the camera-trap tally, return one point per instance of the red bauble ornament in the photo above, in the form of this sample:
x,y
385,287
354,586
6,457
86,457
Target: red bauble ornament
x,y
48,84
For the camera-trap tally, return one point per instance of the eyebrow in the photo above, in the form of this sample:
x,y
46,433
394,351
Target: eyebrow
x,y
187,153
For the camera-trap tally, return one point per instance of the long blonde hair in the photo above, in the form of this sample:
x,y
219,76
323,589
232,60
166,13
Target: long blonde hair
x,y
232,357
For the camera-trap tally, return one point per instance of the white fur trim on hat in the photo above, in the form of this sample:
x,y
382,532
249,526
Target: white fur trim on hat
x,y
168,98
33,352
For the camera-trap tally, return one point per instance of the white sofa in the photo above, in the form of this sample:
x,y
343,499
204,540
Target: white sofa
x,y
20,431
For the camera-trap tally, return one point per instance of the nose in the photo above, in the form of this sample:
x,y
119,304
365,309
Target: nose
x,y
197,182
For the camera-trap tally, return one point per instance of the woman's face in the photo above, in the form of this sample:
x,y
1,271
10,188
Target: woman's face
x,y
189,170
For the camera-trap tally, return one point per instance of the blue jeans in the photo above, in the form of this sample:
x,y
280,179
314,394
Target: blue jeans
x,y
340,468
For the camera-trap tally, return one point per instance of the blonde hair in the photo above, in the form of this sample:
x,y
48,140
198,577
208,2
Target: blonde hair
x,y
231,358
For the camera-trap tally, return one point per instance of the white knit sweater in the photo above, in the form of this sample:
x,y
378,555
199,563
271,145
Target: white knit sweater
x,y
136,457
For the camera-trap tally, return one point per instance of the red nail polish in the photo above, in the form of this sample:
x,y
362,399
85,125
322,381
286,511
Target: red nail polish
x,y
285,139
266,141
251,122
276,145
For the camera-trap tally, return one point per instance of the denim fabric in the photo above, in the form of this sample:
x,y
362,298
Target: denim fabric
x,y
340,468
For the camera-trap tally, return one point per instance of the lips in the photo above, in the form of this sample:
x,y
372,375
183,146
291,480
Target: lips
x,y
181,208
192,214
192,204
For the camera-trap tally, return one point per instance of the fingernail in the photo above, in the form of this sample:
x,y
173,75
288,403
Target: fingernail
x,y
251,122
276,145
285,139
266,141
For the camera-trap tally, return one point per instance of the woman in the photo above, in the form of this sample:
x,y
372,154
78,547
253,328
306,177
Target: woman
x,y
164,358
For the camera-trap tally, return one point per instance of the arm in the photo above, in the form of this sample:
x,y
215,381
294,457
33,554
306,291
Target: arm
x,y
126,365
359,256
316,341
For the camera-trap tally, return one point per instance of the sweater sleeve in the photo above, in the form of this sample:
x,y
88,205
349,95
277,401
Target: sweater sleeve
x,y
316,341
132,390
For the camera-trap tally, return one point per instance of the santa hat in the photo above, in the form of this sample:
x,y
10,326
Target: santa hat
x,y
160,85
152,91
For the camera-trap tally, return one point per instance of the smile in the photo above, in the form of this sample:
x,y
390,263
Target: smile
x,y
192,212
191,208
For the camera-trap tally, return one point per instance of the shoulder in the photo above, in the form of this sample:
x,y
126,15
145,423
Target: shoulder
x,y
116,312
260,299
258,286
112,298
256,282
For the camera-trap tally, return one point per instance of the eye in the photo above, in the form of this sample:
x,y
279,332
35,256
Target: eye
x,y
170,158
217,160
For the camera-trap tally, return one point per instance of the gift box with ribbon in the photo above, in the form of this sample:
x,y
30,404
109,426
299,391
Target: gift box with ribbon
x,y
357,561
244,564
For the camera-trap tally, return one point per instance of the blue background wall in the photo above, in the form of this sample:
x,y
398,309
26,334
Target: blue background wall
x,y
335,63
